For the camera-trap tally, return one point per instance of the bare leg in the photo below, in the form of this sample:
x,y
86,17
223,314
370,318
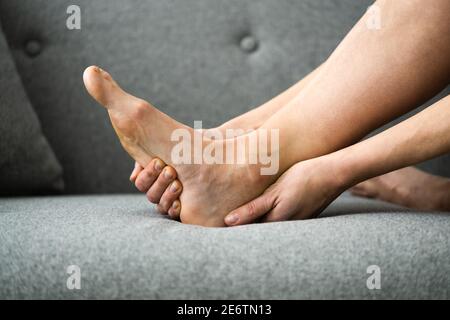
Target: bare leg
x,y
372,77
309,186
149,181
258,116
409,187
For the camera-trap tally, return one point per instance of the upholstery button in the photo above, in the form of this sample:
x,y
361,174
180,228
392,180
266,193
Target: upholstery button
x,y
249,44
33,48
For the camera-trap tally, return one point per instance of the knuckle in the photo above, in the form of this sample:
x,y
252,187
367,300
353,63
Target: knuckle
x,y
140,186
274,217
143,181
164,206
251,209
160,209
150,170
147,175
169,197
152,197
268,201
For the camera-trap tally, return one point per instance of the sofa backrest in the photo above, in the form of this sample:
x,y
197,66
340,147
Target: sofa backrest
x,y
204,60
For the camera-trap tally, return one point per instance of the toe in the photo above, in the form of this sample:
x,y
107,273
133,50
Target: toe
x,y
162,183
136,171
171,194
161,210
102,87
95,84
149,175
175,209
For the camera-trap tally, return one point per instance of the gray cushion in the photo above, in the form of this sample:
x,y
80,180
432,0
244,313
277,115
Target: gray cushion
x,y
126,250
27,162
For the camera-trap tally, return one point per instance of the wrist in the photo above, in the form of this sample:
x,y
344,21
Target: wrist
x,y
342,168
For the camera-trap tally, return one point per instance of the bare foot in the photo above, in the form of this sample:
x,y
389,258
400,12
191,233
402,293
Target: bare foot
x,y
408,187
210,192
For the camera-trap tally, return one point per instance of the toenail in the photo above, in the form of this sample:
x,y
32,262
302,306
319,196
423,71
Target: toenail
x,y
232,219
175,205
174,187
167,174
158,166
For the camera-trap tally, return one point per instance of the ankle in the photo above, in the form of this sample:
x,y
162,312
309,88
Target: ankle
x,y
341,173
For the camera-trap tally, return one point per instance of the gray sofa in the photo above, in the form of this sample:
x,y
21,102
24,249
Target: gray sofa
x,y
204,60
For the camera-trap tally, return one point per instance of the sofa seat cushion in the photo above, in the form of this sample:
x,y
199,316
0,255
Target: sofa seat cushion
x,y
124,249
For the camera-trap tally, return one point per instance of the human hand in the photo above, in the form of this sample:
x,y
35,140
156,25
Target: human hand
x,y
302,192
159,182
158,179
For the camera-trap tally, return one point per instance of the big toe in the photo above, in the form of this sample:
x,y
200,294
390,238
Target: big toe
x,y
102,87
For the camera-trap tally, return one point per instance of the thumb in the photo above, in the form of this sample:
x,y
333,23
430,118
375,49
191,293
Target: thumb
x,y
251,211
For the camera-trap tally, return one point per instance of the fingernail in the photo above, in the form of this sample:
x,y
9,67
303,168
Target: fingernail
x,y
174,187
232,219
167,174
175,205
158,165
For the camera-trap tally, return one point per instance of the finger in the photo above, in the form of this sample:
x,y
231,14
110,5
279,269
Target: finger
x,y
175,210
251,211
148,175
171,194
167,176
137,169
275,215
278,213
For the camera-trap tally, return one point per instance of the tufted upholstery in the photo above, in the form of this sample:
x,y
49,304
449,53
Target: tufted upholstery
x,y
204,60
194,59
187,57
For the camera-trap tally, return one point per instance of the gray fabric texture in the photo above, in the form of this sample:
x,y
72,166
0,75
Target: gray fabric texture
x,y
126,250
27,162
